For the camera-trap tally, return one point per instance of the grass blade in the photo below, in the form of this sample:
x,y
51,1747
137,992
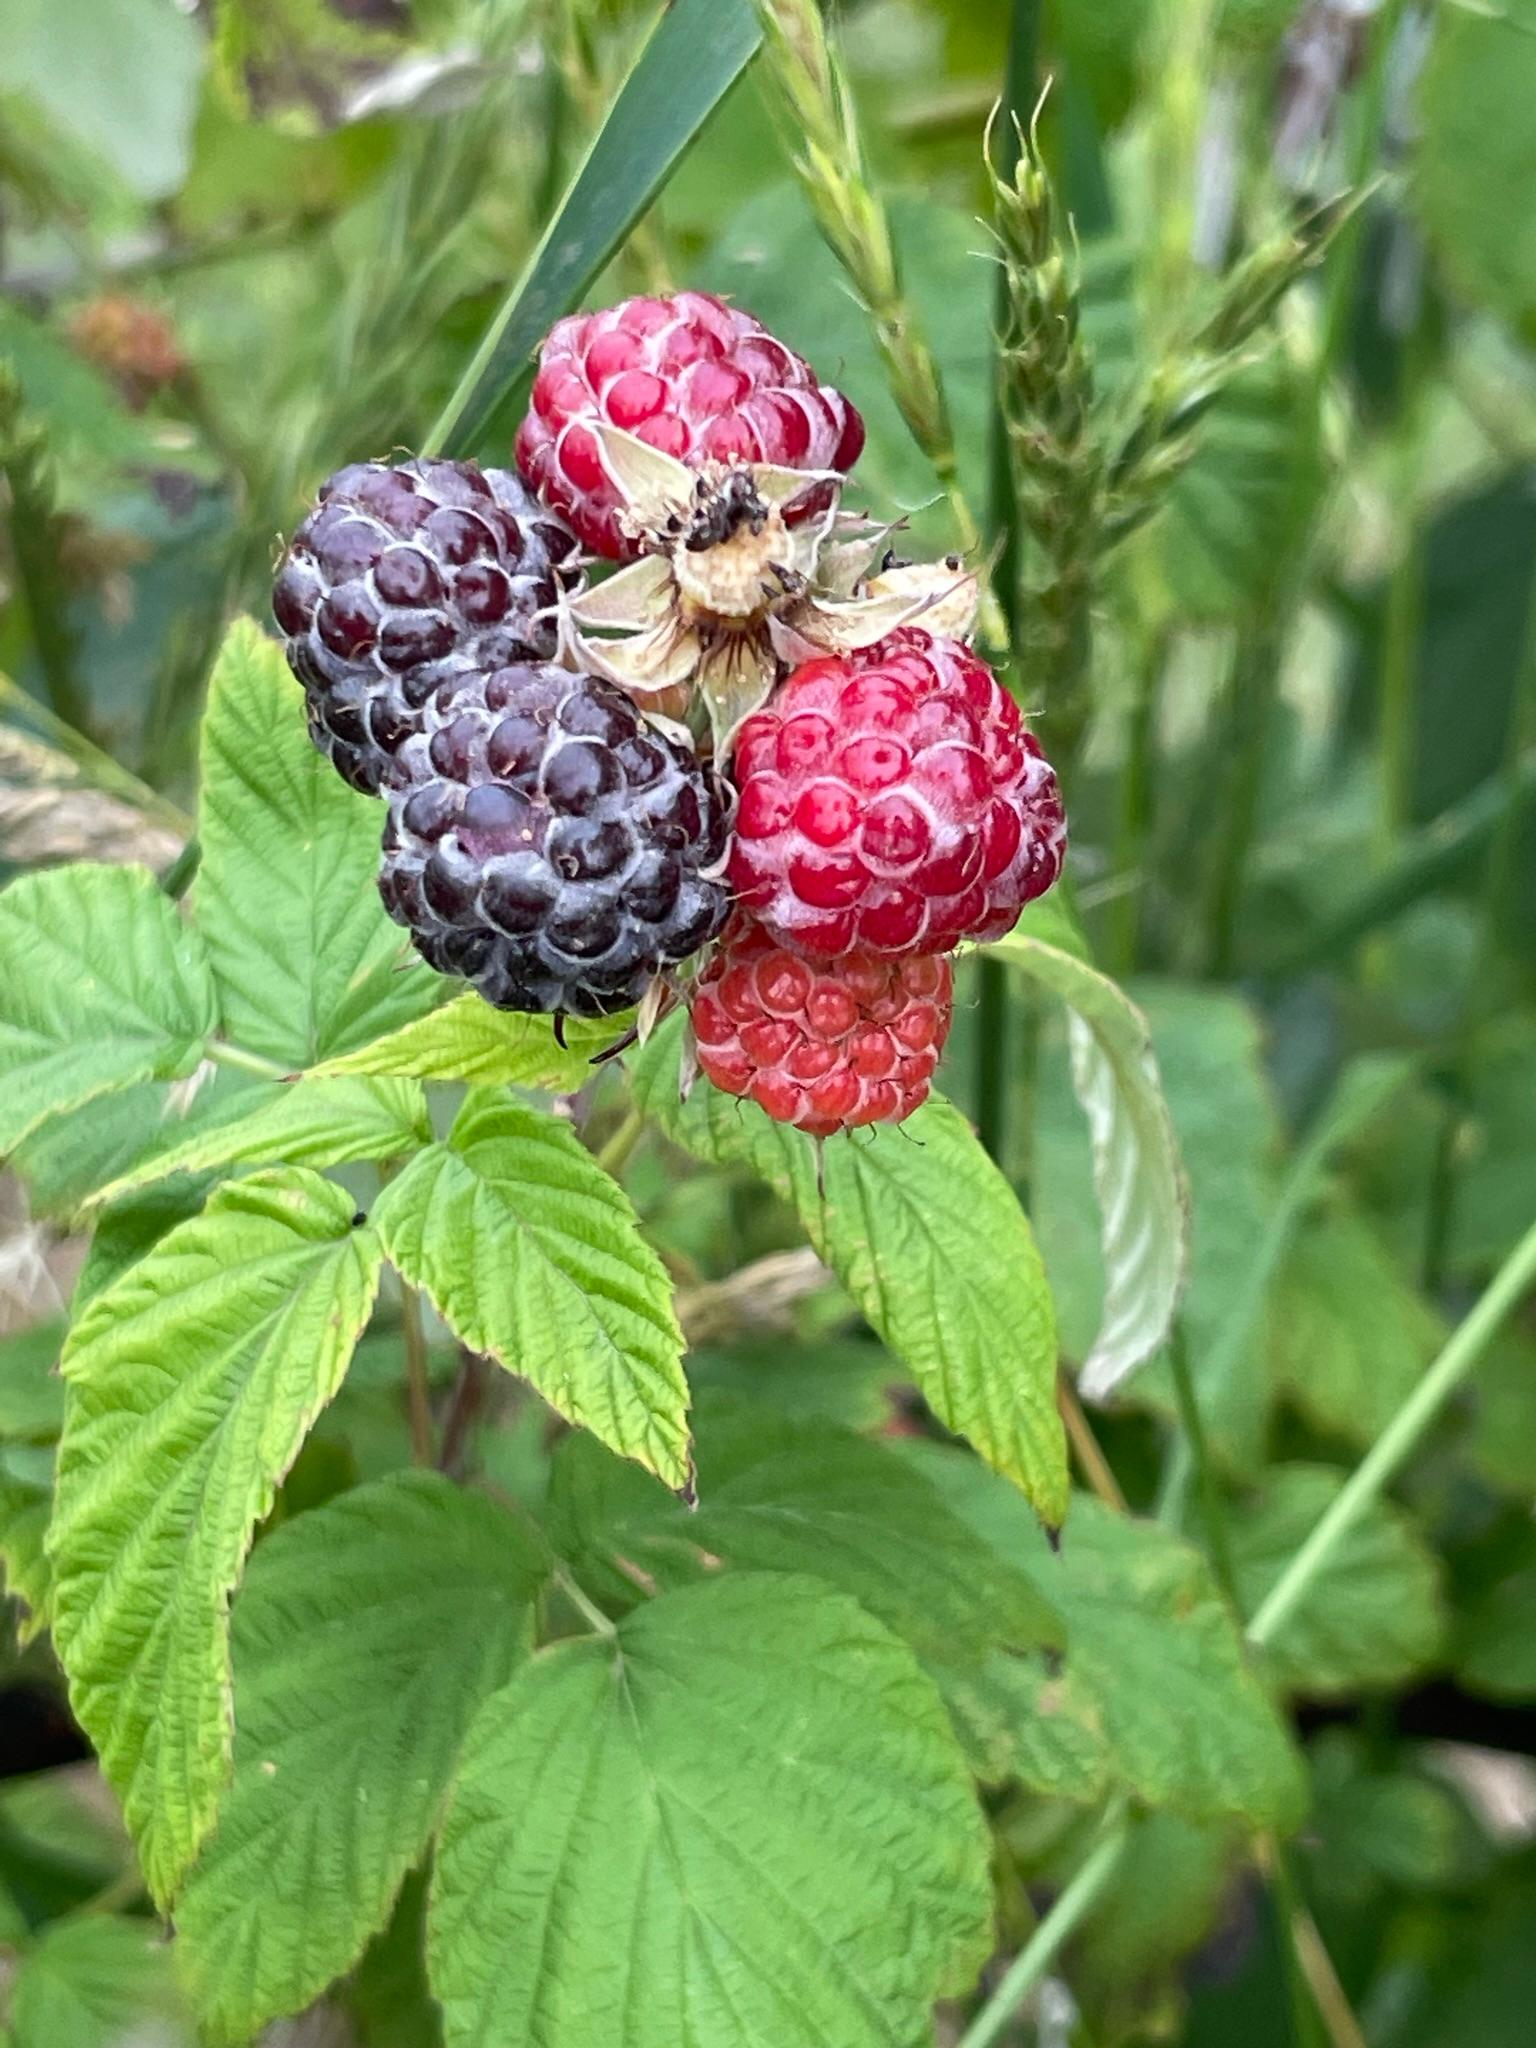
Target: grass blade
x,y
694,55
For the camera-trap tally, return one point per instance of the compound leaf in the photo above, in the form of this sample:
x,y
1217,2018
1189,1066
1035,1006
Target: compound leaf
x,y
1151,1642
930,1241
780,1494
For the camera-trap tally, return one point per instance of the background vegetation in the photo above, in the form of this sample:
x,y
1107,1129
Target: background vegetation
x,y
1267,565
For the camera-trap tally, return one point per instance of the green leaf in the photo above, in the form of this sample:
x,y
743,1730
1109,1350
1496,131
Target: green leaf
x,y
31,1392
129,90
105,986
930,1241
694,55
366,1635
1374,1614
466,1040
126,1230
1143,1203
531,1253
98,1982
1496,1637
1210,1058
1371,1827
1151,1642
1233,514
804,1496
1348,1335
302,1123
308,963
26,1502
1477,152
743,1819
191,1384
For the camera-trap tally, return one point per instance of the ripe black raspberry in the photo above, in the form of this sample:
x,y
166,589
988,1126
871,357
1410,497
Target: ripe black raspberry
x,y
553,848
402,577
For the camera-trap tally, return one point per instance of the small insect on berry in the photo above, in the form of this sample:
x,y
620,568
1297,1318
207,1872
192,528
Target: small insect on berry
x,y
689,375
824,1045
892,800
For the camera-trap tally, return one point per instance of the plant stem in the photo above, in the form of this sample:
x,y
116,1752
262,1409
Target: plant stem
x,y
1138,782
1086,1447
588,1609
417,1383
1254,693
993,988
992,1062
1040,1951
464,1405
1396,1442
616,1149
1287,1910
1212,1513
223,1054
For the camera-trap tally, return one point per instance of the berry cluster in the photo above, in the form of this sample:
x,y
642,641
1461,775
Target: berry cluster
x,y
541,840
562,850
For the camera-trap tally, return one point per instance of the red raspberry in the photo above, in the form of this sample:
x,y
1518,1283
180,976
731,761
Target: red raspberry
x,y
825,1046
692,376
893,799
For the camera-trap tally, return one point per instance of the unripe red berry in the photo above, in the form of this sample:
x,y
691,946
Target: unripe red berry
x,y
825,1046
893,800
692,376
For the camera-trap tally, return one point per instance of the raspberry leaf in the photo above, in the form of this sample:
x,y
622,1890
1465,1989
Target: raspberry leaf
x,y
190,1384
739,1818
116,990
1151,1644
307,1123
1137,1174
307,962
532,1254
94,1981
367,1633
466,1040
930,1241
779,1494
